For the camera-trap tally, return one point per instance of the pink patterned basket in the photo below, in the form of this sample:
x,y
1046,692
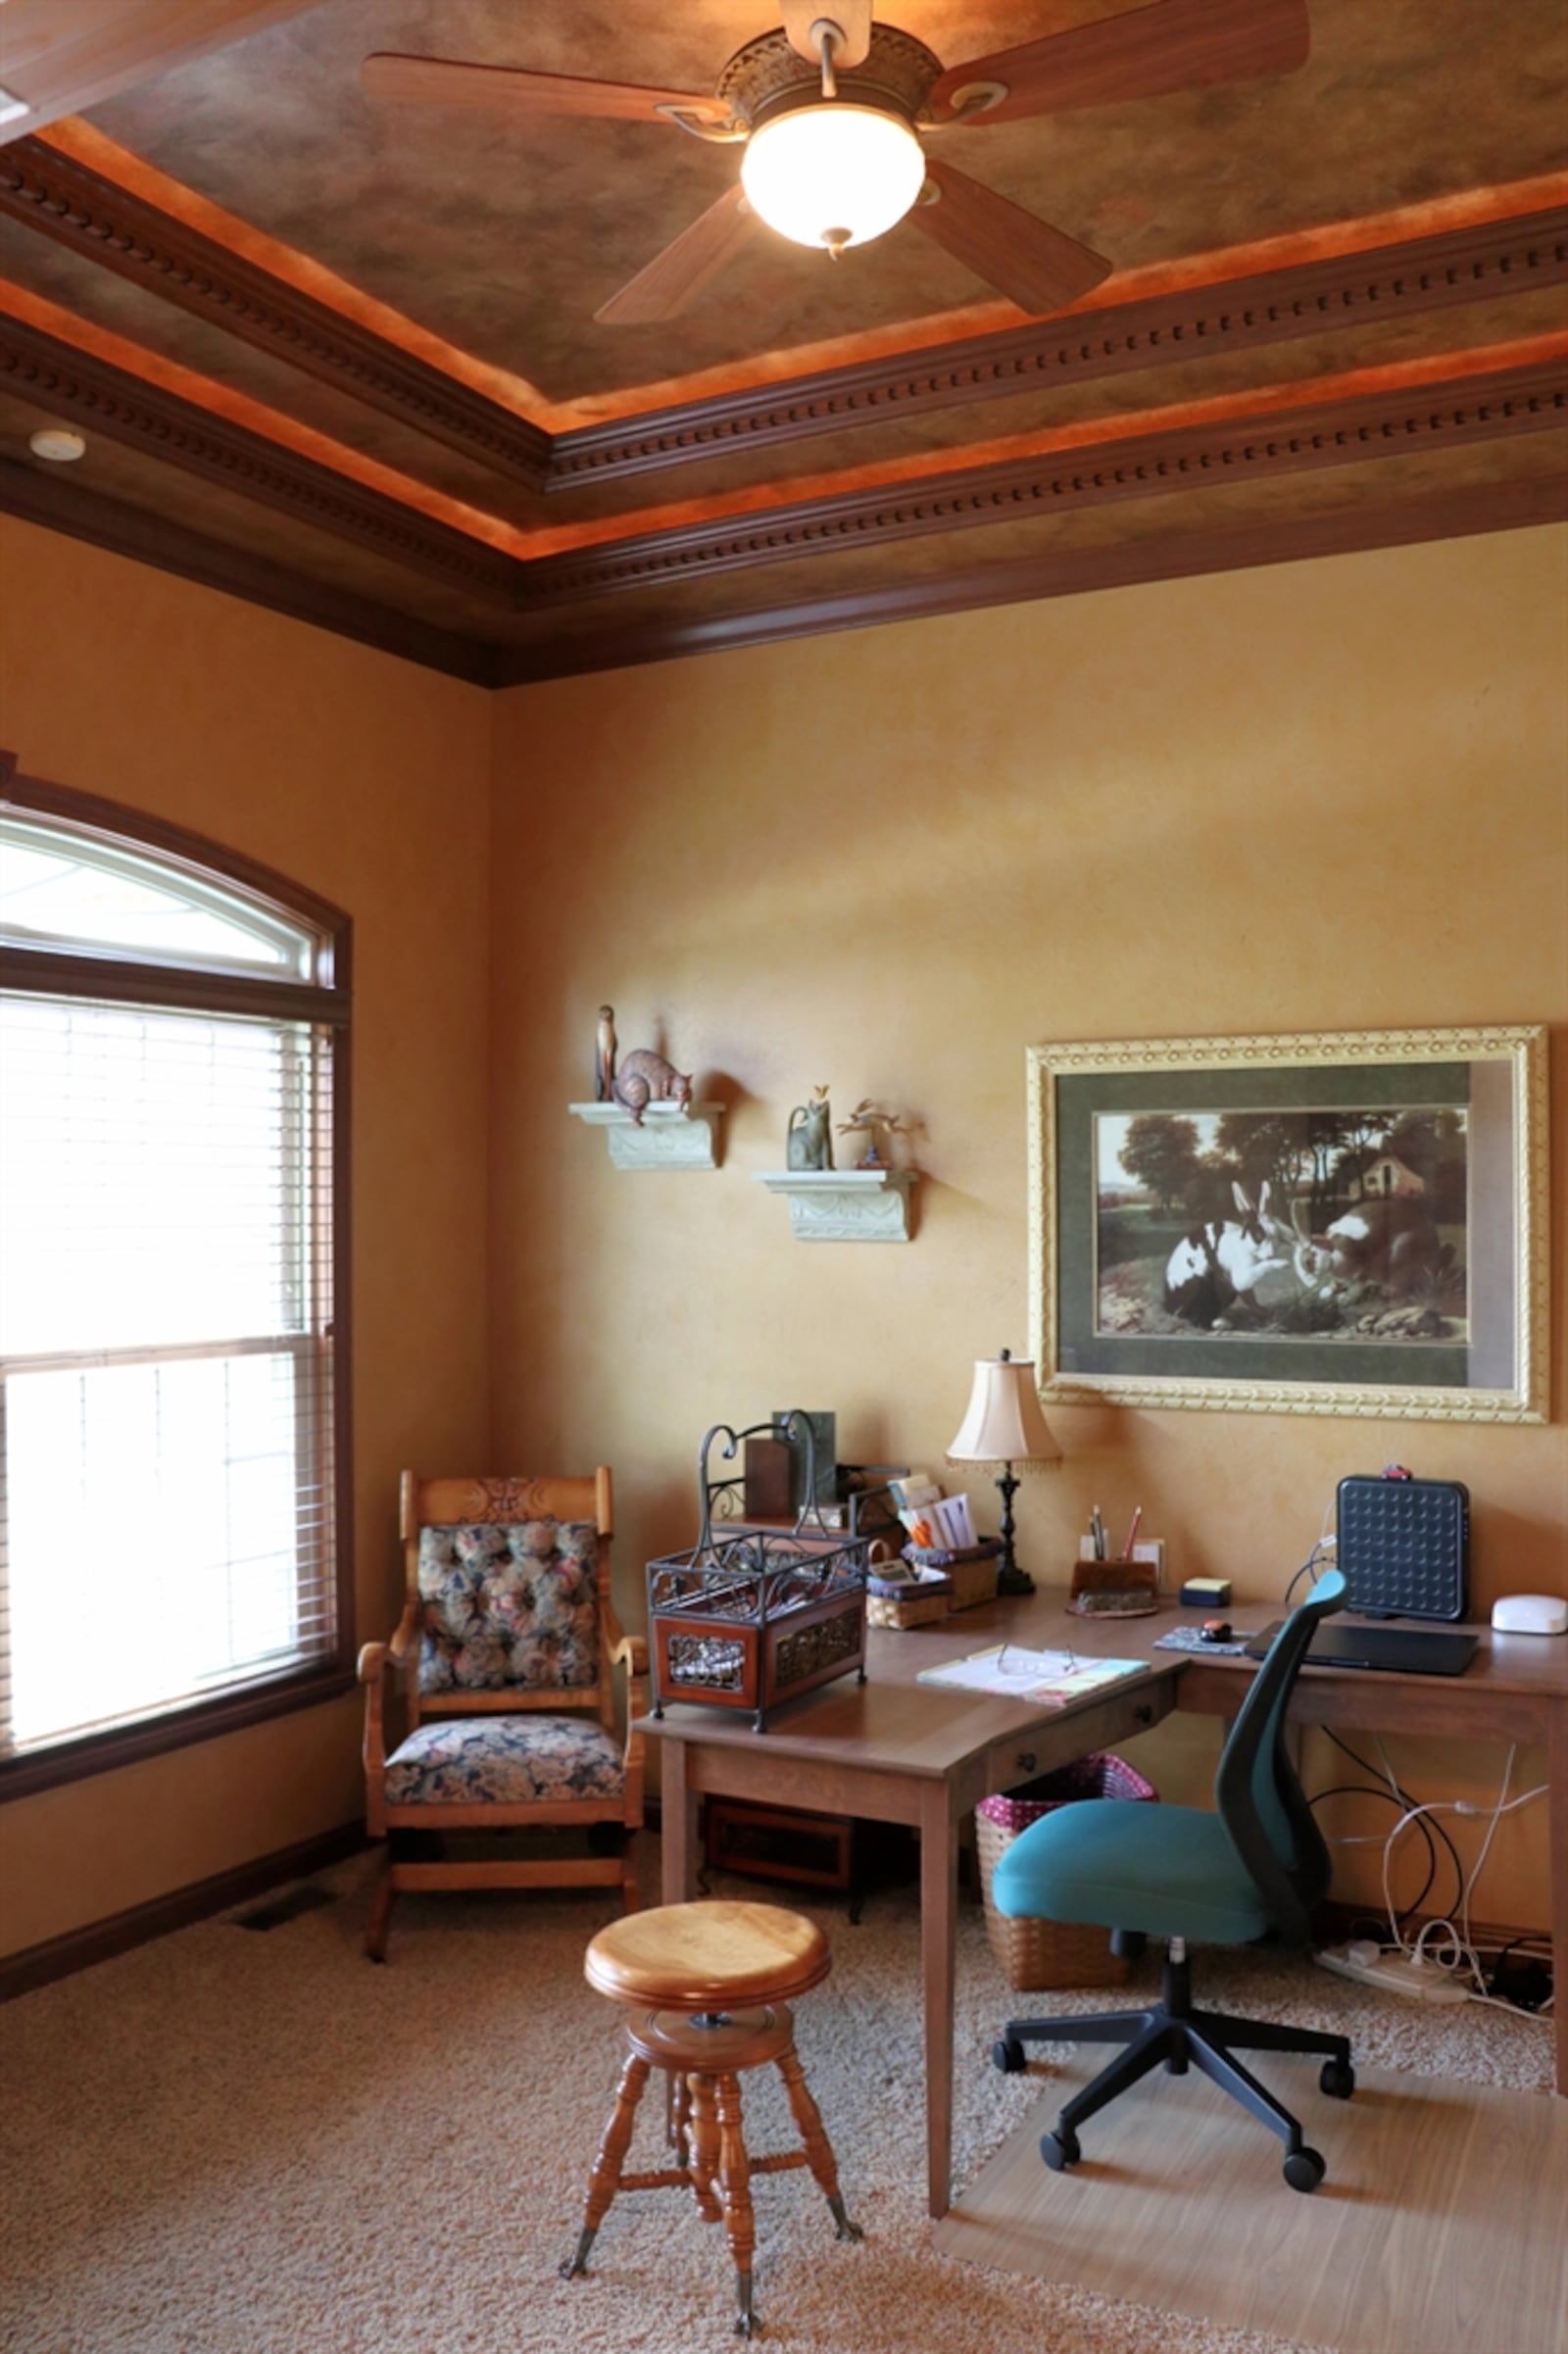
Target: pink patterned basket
x,y
1042,1954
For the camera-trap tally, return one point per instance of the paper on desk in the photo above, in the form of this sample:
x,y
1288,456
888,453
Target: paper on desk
x,y
1014,1673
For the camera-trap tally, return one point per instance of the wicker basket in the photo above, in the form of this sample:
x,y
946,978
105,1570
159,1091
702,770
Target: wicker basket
x,y
896,1603
974,1570
1037,1953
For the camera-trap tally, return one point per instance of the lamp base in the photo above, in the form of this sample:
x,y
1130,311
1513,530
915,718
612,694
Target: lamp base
x,y
1010,1579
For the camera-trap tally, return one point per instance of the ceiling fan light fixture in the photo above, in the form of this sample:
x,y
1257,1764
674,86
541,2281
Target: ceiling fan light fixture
x,y
833,175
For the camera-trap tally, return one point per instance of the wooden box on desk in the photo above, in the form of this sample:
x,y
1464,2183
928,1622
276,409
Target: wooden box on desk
x,y
755,1617
972,1570
1114,1589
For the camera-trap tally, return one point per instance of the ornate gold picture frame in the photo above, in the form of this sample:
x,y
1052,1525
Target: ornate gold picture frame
x,y
1344,1222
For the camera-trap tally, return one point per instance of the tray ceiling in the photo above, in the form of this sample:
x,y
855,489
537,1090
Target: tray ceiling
x,y
341,355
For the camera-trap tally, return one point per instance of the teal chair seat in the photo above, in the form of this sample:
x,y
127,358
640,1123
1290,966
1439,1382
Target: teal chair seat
x,y
1166,1870
1253,1867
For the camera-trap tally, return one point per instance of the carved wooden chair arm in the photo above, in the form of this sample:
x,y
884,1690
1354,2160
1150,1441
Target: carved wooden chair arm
x,y
372,1662
631,1652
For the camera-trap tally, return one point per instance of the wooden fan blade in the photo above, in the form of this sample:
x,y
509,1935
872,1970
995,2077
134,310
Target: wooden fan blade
x,y
1175,45
675,277
1039,269
55,60
852,17
508,90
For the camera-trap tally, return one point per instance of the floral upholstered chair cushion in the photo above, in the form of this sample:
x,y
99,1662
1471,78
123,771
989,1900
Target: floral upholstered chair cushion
x,y
509,1603
506,1761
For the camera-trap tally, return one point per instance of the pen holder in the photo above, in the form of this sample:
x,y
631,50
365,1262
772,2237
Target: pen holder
x,y
1114,1589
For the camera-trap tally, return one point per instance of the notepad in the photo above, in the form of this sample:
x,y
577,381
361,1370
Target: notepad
x,y
1012,1672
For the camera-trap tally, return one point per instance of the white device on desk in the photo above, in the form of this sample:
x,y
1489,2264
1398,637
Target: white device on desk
x,y
1530,1614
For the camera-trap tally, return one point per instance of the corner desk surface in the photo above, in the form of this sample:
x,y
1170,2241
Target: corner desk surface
x,y
896,1750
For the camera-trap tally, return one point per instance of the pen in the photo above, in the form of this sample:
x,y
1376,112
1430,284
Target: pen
x,y
1097,1528
1127,1548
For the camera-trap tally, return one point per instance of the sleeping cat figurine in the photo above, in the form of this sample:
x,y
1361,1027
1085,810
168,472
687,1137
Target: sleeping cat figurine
x,y
645,1078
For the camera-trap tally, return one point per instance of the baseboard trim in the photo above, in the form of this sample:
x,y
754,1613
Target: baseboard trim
x,y
61,1957
1335,1919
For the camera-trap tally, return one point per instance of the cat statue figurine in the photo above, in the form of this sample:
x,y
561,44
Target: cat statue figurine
x,y
645,1078
808,1140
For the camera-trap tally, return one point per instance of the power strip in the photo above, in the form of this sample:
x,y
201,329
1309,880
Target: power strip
x,y
1395,1973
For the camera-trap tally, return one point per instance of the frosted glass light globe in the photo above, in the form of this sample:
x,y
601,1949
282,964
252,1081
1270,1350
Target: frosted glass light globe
x,y
833,175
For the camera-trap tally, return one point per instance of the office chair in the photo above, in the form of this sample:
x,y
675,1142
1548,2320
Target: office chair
x,y
1256,1865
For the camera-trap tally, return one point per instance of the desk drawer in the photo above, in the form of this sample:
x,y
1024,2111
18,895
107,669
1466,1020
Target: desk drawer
x,y
1057,1740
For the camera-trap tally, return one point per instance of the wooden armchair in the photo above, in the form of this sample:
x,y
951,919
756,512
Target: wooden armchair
x,y
506,1647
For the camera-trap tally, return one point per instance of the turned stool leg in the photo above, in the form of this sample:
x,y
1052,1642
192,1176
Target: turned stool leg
x,y
818,2149
605,2180
678,2115
703,2163
735,2183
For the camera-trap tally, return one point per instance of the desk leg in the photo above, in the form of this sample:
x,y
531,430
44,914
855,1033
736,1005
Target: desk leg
x,y
677,1818
1558,1876
939,1928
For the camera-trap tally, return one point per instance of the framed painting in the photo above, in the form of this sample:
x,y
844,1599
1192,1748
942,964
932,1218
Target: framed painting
x,y
1353,1222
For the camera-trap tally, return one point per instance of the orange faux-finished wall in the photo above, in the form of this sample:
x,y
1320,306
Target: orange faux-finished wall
x,y
1323,796
366,779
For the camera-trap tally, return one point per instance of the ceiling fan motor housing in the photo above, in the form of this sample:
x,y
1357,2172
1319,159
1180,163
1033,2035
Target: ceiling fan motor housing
x,y
770,77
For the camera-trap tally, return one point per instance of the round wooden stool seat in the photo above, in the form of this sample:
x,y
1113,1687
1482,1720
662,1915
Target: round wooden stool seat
x,y
713,1956
709,1988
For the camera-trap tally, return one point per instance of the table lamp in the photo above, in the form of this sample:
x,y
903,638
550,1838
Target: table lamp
x,y
1004,1425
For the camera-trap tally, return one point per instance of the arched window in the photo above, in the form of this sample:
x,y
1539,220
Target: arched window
x,y
173,1544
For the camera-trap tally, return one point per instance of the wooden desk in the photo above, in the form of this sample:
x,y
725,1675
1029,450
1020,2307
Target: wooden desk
x,y
1516,1690
895,1750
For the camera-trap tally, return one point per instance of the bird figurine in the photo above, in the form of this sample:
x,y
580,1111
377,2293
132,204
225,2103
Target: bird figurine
x,y
604,1055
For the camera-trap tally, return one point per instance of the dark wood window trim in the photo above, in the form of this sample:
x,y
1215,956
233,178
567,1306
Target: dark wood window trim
x,y
327,1001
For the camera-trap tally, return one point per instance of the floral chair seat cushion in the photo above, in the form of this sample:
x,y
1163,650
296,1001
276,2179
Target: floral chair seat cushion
x,y
506,1761
509,1603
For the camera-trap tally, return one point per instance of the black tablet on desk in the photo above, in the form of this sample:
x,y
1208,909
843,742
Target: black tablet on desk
x,y
1398,1650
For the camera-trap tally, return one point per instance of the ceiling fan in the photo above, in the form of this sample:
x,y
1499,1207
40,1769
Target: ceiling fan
x,y
826,110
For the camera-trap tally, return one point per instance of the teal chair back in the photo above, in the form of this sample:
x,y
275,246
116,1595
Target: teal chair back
x,y
1257,1792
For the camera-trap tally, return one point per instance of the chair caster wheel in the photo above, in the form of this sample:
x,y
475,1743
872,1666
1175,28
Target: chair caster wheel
x,y
1337,2079
1061,2149
1305,2170
1007,2054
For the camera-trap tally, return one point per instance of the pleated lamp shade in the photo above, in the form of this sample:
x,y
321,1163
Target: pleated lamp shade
x,y
1003,1423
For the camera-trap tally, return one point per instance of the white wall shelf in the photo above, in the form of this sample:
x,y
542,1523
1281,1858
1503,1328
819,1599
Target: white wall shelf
x,y
845,1206
672,1136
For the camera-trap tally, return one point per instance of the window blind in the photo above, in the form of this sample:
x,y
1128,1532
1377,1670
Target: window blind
x,y
165,1359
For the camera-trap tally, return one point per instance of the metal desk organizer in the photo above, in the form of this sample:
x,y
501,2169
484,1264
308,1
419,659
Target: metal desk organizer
x,y
753,1615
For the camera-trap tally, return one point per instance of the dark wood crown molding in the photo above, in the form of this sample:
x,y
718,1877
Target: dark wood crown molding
x,y
148,416
57,504
106,223
1470,264
115,229
1213,548
1266,440
1224,547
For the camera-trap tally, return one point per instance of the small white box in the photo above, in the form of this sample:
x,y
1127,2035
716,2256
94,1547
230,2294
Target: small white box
x,y
1530,1614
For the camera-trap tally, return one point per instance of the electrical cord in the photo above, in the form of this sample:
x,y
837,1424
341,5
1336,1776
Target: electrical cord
x,y
1373,1790
1388,1781
1445,1945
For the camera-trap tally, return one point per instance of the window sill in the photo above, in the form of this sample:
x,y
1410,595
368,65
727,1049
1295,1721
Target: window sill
x,y
21,1777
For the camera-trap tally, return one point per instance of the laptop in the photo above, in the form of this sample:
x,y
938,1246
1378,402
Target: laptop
x,y
1397,1650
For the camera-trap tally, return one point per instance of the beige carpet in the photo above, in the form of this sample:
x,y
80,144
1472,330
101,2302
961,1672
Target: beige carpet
x,y
231,2143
